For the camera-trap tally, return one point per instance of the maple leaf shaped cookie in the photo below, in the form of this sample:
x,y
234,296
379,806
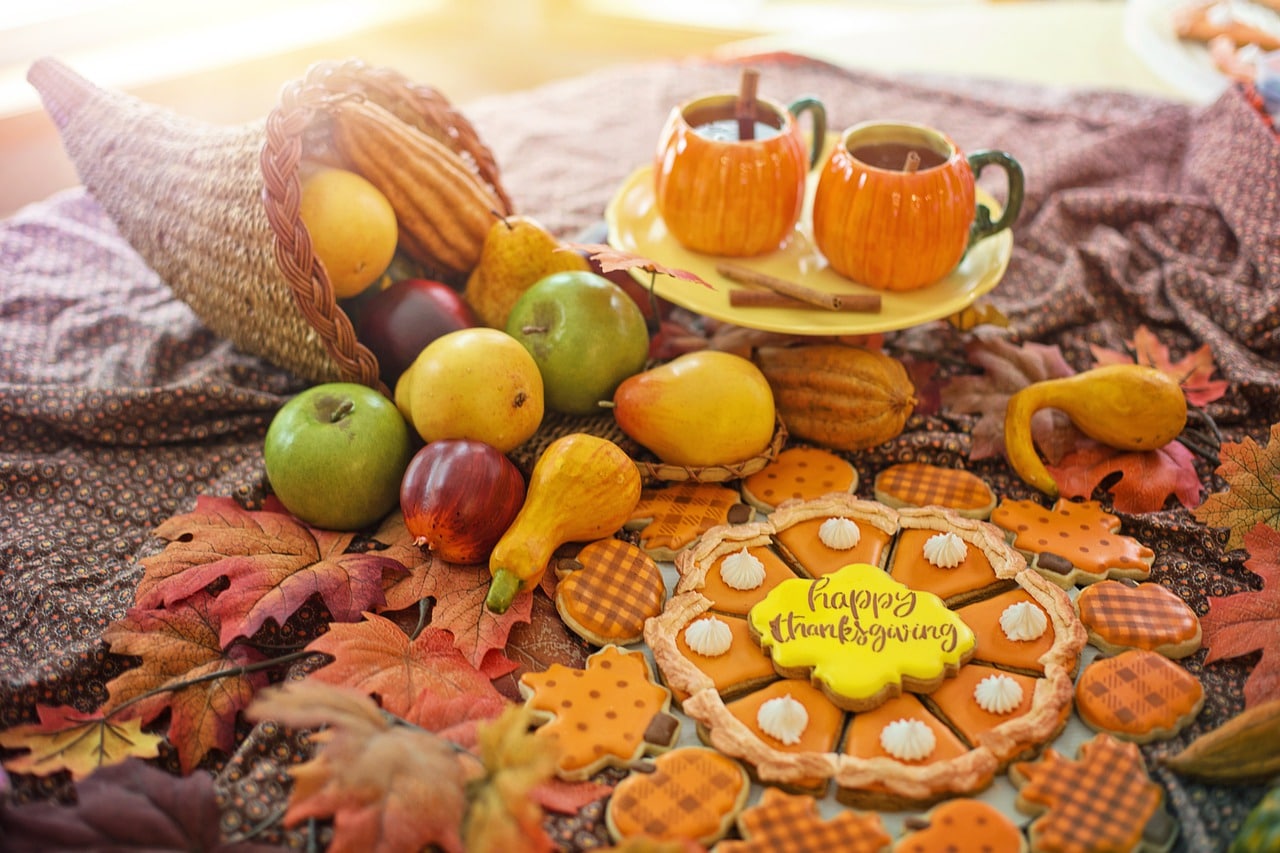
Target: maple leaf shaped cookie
x,y
782,821
609,714
1104,800
671,518
1075,542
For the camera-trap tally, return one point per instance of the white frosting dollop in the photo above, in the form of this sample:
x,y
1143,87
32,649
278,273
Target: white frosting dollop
x,y
742,570
839,534
1023,621
998,694
709,637
783,718
945,550
908,740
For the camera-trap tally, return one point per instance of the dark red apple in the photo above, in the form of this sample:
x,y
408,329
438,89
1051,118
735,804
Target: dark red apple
x,y
459,496
396,323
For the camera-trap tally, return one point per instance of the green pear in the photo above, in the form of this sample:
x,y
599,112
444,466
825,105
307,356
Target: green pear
x,y
517,251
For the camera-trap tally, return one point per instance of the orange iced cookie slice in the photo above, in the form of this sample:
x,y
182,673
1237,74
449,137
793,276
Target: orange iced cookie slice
x,y
804,542
792,822
691,793
799,473
740,578
721,647
901,730
920,484
816,729
1146,616
671,518
608,714
964,825
952,570
1013,630
1138,695
1102,801
1075,542
616,589
981,697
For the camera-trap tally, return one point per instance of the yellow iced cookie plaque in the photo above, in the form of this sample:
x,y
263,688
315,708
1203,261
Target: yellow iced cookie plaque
x,y
860,635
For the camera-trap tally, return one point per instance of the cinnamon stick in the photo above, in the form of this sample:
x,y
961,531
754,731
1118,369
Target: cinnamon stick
x,y
913,162
867,303
807,295
745,111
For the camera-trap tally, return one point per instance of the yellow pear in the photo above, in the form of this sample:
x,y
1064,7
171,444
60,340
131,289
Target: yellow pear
x,y
517,251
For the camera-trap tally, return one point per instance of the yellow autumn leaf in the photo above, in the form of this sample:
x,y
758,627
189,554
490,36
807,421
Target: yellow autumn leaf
x,y
65,739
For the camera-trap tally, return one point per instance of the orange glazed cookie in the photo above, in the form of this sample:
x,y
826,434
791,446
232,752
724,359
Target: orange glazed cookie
x,y
961,826
720,646
1138,695
791,822
1103,801
920,484
608,714
819,536
691,793
799,473
1121,616
824,606
608,598
1076,542
671,518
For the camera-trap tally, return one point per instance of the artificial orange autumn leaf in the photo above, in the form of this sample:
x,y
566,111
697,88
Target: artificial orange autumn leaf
x,y
1194,372
388,787
503,816
404,589
1147,478
273,563
1246,621
378,659
185,669
612,260
66,739
1252,473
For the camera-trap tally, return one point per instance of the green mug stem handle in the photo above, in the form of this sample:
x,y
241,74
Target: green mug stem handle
x,y
982,224
818,115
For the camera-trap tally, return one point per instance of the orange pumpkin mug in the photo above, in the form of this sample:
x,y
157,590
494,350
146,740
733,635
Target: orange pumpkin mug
x,y
723,194
895,206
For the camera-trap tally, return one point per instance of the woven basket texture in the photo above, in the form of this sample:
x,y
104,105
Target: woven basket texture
x,y
214,210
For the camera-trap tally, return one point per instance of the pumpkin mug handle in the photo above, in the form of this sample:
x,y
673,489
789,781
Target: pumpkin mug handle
x,y
818,115
982,224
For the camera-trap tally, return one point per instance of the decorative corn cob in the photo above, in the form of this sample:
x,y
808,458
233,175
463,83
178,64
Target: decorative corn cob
x,y
214,210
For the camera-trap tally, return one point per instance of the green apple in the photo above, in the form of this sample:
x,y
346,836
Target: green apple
x,y
586,335
335,455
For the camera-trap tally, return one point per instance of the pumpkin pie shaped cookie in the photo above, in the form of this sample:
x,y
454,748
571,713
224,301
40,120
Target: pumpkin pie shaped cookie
x,y
865,602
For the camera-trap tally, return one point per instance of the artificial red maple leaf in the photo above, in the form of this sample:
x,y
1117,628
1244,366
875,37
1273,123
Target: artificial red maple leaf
x,y
1252,473
455,718
388,787
612,260
1009,368
66,739
186,669
1194,372
1246,621
377,658
459,609
127,806
543,640
1147,478
406,588
273,564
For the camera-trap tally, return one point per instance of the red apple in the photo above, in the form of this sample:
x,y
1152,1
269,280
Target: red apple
x,y
459,496
396,323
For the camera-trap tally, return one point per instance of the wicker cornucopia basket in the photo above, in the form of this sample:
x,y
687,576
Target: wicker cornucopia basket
x,y
214,210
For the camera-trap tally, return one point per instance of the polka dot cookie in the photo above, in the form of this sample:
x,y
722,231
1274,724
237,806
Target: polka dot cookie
x,y
799,473
962,825
1075,542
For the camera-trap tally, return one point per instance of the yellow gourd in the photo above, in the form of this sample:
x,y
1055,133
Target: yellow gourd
x,y
582,487
1125,406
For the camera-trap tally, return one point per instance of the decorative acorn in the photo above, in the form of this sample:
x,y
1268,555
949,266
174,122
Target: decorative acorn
x,y
214,210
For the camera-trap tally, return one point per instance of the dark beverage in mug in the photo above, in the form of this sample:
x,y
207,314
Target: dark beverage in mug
x,y
893,156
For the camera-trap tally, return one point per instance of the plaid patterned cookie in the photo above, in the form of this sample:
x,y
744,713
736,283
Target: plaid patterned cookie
x,y
671,518
1104,800
613,589
1121,616
1138,695
691,793
918,484
791,822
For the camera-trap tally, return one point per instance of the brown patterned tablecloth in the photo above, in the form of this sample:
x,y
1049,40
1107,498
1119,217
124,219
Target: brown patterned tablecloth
x,y
117,408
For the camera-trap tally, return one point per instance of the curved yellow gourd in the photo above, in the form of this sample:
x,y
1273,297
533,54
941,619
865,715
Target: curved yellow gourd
x,y
1125,406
